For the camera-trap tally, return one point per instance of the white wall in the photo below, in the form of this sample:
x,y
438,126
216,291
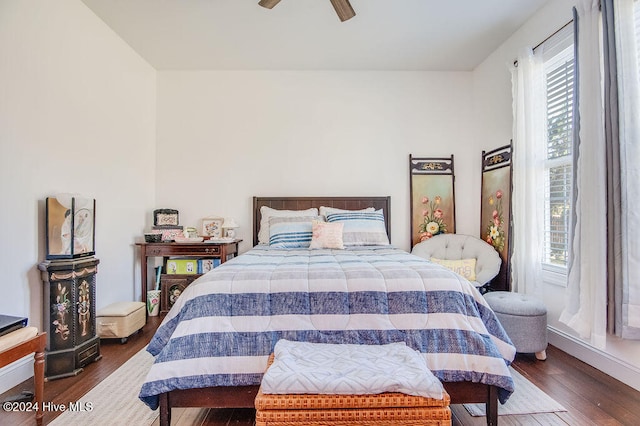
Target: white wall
x,y
493,111
225,136
77,114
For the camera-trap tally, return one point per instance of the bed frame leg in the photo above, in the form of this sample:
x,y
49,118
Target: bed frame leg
x,y
492,406
165,410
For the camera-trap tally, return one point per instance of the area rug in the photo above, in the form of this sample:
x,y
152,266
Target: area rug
x,y
114,401
526,399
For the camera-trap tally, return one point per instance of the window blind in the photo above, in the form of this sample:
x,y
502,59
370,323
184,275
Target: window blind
x,y
560,78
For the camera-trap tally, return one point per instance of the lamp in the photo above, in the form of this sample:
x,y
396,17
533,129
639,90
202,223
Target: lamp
x,y
229,226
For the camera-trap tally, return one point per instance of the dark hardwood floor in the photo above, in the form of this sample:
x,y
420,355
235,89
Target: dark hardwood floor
x,y
590,396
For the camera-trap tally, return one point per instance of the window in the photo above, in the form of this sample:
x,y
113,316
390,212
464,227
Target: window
x,y
559,66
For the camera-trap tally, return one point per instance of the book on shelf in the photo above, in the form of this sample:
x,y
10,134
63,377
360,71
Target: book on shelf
x,y
206,265
182,266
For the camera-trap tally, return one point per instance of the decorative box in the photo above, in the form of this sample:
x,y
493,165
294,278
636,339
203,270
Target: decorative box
x,y
182,266
163,218
168,233
152,238
121,319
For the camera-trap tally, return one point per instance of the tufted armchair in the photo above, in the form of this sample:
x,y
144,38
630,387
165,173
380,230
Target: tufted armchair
x,y
457,247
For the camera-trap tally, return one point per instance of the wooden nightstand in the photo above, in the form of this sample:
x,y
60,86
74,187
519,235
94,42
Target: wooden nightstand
x,y
204,250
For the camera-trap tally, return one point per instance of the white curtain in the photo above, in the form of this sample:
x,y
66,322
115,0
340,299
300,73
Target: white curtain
x,y
628,305
527,79
586,307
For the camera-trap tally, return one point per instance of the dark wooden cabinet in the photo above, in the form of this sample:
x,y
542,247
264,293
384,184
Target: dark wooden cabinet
x,y
69,315
171,286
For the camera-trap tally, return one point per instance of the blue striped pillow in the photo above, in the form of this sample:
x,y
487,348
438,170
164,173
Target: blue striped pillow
x,y
362,228
291,232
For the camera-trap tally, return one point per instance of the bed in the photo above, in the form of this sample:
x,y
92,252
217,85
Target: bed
x,y
213,346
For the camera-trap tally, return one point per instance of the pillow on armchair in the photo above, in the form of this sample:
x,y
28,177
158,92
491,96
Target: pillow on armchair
x,y
458,247
464,267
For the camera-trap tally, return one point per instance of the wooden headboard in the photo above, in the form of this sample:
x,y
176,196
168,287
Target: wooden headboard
x,y
302,203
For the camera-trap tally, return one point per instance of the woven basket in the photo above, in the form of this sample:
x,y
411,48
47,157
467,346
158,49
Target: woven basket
x,y
342,410
153,238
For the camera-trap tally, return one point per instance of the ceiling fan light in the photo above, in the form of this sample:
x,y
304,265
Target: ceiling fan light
x,y
343,9
269,4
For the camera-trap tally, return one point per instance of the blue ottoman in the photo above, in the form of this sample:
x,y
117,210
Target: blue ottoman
x,y
524,318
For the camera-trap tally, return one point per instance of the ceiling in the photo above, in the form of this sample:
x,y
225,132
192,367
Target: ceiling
x,y
436,35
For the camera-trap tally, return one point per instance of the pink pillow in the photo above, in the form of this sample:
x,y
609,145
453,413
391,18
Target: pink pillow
x,y
326,235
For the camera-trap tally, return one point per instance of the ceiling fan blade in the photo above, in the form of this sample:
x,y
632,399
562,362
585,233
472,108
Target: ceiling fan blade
x,y
343,9
269,4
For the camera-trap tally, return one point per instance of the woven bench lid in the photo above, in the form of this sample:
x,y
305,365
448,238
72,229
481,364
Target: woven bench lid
x,y
327,401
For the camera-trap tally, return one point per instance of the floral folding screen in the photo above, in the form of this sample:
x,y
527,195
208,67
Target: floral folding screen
x,y
432,197
495,210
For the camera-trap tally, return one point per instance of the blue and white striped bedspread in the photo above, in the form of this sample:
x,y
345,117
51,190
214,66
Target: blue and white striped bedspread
x,y
223,327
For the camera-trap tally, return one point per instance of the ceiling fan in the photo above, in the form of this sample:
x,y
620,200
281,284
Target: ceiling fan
x,y
343,7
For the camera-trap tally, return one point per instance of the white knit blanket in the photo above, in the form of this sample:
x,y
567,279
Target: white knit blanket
x,y
321,368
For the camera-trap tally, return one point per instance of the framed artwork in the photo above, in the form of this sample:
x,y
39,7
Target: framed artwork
x,y
70,227
432,197
495,211
212,227
165,218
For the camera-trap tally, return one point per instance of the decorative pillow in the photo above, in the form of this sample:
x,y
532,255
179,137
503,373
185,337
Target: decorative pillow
x,y
327,235
362,228
464,267
267,212
324,211
290,232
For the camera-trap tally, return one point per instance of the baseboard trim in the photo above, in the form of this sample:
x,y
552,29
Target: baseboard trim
x,y
619,369
16,373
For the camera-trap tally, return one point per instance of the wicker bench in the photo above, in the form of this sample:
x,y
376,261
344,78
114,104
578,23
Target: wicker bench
x,y
392,409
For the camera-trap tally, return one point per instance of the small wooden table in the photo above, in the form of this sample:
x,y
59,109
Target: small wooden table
x,y
35,344
219,250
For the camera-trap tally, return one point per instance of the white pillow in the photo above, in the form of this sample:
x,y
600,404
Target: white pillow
x,y
362,228
324,211
291,232
267,212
